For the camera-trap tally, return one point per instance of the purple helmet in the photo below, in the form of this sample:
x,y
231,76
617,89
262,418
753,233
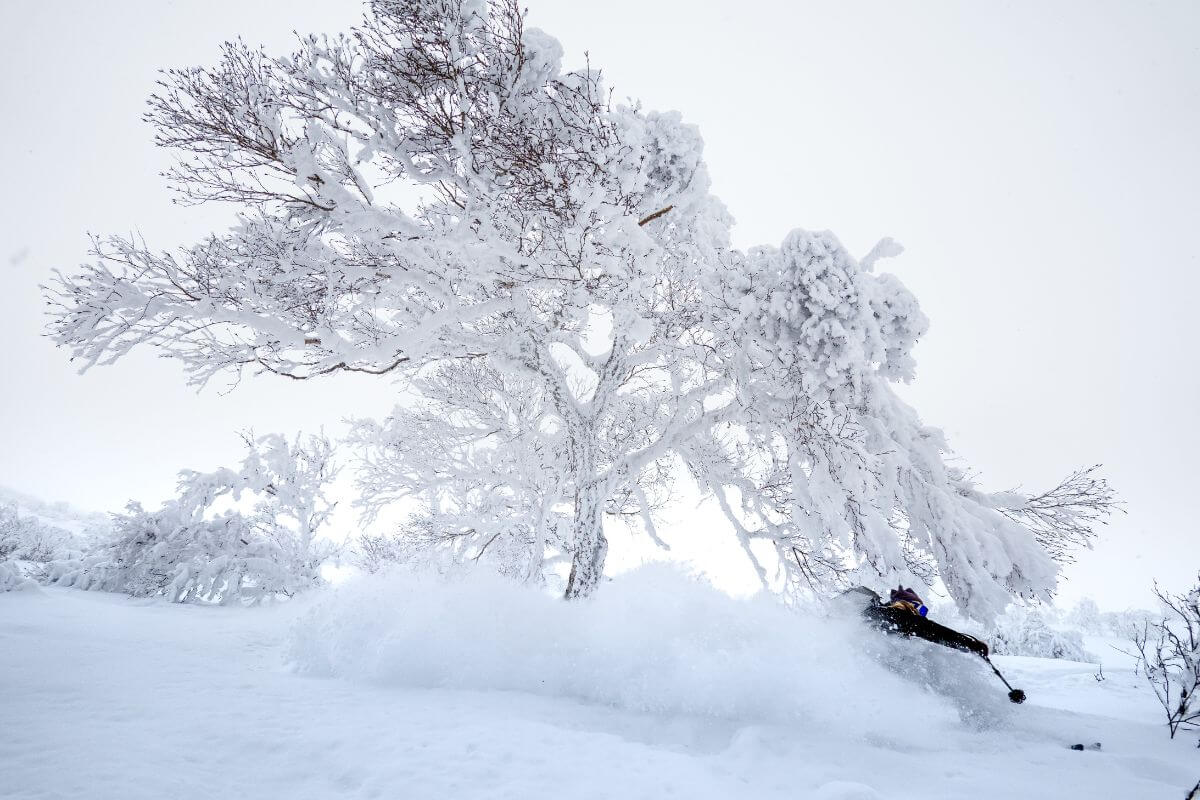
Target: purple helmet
x,y
907,595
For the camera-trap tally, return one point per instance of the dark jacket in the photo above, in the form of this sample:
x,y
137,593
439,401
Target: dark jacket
x,y
893,619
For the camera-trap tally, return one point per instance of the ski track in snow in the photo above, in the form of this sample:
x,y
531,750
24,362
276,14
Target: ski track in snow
x,y
102,696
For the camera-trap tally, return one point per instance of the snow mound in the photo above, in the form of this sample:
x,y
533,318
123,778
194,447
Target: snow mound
x,y
653,640
13,579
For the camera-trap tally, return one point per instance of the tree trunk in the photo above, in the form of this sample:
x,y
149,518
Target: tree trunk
x,y
590,546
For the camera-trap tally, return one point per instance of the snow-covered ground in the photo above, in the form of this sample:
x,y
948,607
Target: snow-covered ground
x,y
404,687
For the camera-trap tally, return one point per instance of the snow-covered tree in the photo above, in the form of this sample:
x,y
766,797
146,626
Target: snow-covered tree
x,y
830,468
291,481
1169,652
35,534
481,453
434,199
1063,519
27,538
189,550
1128,623
1024,631
1086,616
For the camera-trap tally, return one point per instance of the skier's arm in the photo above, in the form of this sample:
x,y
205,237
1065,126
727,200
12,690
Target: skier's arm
x,y
952,638
909,624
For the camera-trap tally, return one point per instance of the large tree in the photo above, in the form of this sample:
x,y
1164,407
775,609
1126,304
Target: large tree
x,y
434,190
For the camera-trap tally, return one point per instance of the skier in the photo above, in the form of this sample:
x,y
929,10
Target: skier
x,y
905,614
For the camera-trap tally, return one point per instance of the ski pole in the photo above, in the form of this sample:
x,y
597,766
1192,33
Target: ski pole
x,y
1015,695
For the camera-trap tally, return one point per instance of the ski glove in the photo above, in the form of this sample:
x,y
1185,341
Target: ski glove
x,y
978,647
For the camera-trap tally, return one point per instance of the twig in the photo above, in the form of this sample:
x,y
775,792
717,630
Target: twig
x,y
654,216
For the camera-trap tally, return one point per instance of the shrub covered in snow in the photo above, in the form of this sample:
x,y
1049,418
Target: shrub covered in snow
x,y
1024,631
12,577
1088,618
1169,651
27,538
35,534
373,552
187,550
1128,623
169,552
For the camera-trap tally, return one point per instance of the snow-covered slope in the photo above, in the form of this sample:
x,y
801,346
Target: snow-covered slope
x,y
657,688
60,515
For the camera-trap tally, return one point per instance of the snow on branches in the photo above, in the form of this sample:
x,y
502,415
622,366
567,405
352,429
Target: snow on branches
x,y
1169,653
29,539
188,550
476,455
1063,518
434,198
33,535
825,465
538,209
1024,631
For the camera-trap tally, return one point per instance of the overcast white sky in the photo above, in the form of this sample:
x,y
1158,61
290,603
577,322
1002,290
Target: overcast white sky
x,y
1038,160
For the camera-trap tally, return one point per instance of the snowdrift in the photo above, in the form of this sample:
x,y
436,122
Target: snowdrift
x,y
653,640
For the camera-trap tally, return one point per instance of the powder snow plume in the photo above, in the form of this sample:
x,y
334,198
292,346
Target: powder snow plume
x,y
654,640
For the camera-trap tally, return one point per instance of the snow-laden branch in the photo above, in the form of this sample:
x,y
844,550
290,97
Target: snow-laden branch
x,y
1064,518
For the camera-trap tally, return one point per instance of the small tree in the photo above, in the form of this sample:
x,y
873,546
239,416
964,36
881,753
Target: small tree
x,y
373,552
189,551
1086,616
292,481
1023,631
1169,652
